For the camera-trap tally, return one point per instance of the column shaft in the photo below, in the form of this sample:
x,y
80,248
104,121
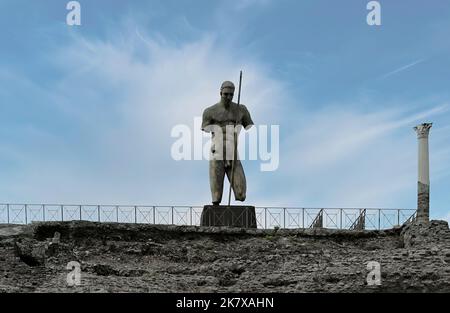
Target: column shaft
x,y
423,184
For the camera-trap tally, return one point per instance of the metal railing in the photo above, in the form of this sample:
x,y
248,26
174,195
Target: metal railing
x,y
267,217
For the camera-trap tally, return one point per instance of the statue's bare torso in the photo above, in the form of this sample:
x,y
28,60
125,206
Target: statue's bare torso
x,y
222,116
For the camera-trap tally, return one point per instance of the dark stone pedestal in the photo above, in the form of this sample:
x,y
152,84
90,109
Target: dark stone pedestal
x,y
223,215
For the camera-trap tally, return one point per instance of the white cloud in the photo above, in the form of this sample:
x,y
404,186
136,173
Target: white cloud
x,y
402,68
346,158
122,98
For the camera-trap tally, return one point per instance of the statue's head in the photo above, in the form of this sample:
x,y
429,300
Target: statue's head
x,y
227,91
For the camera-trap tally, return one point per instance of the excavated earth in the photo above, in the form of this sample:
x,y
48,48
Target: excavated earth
x,y
161,258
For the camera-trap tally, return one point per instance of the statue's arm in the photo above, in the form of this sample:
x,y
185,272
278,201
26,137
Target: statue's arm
x,y
206,121
247,121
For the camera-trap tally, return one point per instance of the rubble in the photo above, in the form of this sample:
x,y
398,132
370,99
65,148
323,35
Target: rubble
x,y
168,258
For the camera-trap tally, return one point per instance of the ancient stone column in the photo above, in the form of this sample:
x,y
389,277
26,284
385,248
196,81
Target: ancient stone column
x,y
423,187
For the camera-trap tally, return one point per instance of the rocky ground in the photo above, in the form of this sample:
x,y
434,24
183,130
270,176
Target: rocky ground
x,y
157,258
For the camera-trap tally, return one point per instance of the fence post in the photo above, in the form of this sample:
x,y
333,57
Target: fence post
x,y
98,213
80,214
398,217
303,217
7,211
265,218
379,219
154,215
135,214
117,213
340,213
62,213
284,217
190,213
43,212
172,215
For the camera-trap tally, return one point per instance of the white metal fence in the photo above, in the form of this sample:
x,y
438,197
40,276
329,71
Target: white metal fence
x,y
267,217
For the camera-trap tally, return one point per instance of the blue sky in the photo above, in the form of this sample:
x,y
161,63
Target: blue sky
x,y
86,111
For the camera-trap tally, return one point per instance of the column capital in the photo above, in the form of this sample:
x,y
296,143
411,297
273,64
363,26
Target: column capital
x,y
423,130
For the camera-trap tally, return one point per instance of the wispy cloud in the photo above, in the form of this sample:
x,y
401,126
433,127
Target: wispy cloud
x,y
400,69
122,100
95,126
354,159
122,107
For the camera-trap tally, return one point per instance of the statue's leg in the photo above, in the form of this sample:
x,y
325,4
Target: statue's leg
x,y
216,176
239,182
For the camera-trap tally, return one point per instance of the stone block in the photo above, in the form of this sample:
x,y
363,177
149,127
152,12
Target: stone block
x,y
233,216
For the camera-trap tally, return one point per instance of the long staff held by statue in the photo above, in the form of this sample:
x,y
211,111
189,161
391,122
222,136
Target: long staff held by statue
x,y
235,140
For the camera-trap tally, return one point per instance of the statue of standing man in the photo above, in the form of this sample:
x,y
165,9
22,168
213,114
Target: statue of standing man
x,y
222,120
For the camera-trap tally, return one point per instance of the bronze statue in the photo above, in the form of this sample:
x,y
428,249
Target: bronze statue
x,y
224,120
